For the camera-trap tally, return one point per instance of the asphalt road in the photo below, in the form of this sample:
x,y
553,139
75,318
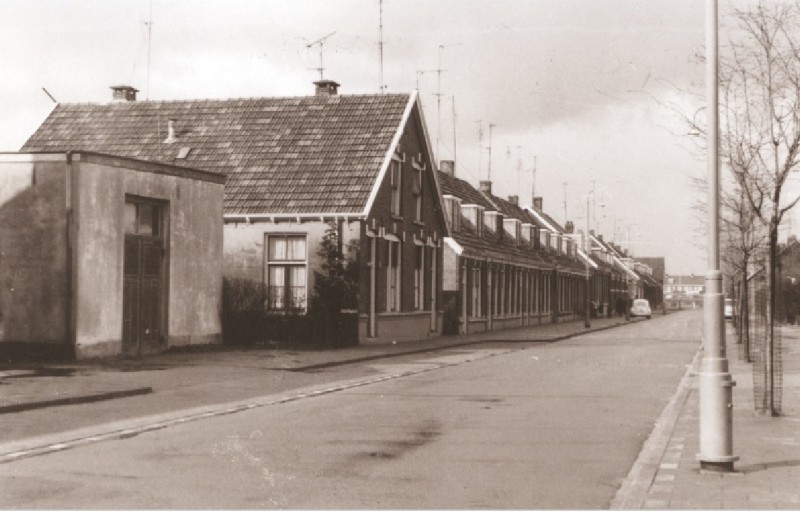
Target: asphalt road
x,y
492,426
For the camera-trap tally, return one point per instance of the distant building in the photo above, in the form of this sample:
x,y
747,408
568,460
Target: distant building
x,y
684,286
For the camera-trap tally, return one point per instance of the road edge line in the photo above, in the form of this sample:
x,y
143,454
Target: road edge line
x,y
632,494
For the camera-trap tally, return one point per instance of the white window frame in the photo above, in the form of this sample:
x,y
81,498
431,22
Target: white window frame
x,y
270,264
396,184
476,292
393,281
419,278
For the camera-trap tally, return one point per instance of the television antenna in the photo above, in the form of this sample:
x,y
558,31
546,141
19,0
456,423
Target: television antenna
x,y
320,42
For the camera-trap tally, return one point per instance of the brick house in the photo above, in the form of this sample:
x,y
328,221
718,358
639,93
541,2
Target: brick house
x,y
293,167
502,269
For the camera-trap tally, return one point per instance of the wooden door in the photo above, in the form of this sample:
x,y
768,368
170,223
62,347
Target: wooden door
x,y
143,316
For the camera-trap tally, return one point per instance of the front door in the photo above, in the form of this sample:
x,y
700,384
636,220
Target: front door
x,y
143,278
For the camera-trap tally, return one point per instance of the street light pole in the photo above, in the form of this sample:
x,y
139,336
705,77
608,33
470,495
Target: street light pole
x,y
587,323
716,402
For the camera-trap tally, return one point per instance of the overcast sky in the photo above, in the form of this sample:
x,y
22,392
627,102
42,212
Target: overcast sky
x,y
583,85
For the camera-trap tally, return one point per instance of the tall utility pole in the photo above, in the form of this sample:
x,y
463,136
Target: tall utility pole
x,y
382,86
565,203
587,322
533,181
715,383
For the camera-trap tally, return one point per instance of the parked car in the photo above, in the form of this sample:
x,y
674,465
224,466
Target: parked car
x,y
728,308
641,308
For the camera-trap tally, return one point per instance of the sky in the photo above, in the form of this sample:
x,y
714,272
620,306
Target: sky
x,y
582,94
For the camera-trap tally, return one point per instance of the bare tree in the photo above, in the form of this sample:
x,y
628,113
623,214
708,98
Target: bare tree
x,y
760,123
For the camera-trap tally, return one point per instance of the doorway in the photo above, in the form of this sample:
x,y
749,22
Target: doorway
x,y
144,277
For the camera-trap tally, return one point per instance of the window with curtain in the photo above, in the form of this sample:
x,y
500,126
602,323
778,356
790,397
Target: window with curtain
x,y
286,272
393,276
476,292
396,178
419,277
417,189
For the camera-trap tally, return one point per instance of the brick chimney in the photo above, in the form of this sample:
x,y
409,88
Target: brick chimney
x,y
537,202
326,88
513,199
123,93
448,167
569,227
486,186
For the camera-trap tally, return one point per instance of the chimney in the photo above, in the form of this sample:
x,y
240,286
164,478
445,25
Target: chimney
x,y
600,238
569,227
591,232
448,167
325,88
486,187
513,199
171,138
123,93
537,202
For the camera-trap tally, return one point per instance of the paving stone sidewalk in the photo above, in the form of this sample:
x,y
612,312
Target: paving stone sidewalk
x,y
767,475
26,387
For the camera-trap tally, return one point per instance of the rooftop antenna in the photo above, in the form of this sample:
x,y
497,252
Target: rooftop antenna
x,y
382,86
455,141
533,180
439,95
491,127
320,42
149,25
480,146
519,165
421,72
565,202
49,95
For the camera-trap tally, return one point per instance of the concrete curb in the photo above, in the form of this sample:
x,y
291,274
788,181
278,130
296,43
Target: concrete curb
x,y
88,398
633,492
78,399
360,359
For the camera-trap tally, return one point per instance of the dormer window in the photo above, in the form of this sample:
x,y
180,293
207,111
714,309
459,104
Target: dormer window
x,y
492,221
473,215
526,232
453,207
511,228
544,239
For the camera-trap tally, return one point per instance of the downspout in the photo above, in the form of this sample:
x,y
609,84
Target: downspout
x,y
70,271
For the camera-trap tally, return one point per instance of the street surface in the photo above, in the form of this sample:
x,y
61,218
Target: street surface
x,y
497,425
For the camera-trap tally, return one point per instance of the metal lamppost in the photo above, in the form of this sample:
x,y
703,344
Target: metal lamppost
x,y
716,403
587,323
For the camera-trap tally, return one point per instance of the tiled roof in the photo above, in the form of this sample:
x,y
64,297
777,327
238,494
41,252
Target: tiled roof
x,y
462,189
280,155
494,246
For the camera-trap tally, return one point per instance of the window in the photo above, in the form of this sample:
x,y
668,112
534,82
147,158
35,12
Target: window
x,y
474,217
476,292
417,189
286,272
419,278
393,276
395,170
453,207
142,218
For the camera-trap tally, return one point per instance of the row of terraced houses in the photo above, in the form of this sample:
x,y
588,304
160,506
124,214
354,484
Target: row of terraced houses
x,y
121,221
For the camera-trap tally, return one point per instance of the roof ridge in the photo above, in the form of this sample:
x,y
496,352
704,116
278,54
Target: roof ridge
x,y
234,99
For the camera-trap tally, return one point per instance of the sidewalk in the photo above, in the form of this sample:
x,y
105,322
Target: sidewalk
x,y
27,387
767,475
